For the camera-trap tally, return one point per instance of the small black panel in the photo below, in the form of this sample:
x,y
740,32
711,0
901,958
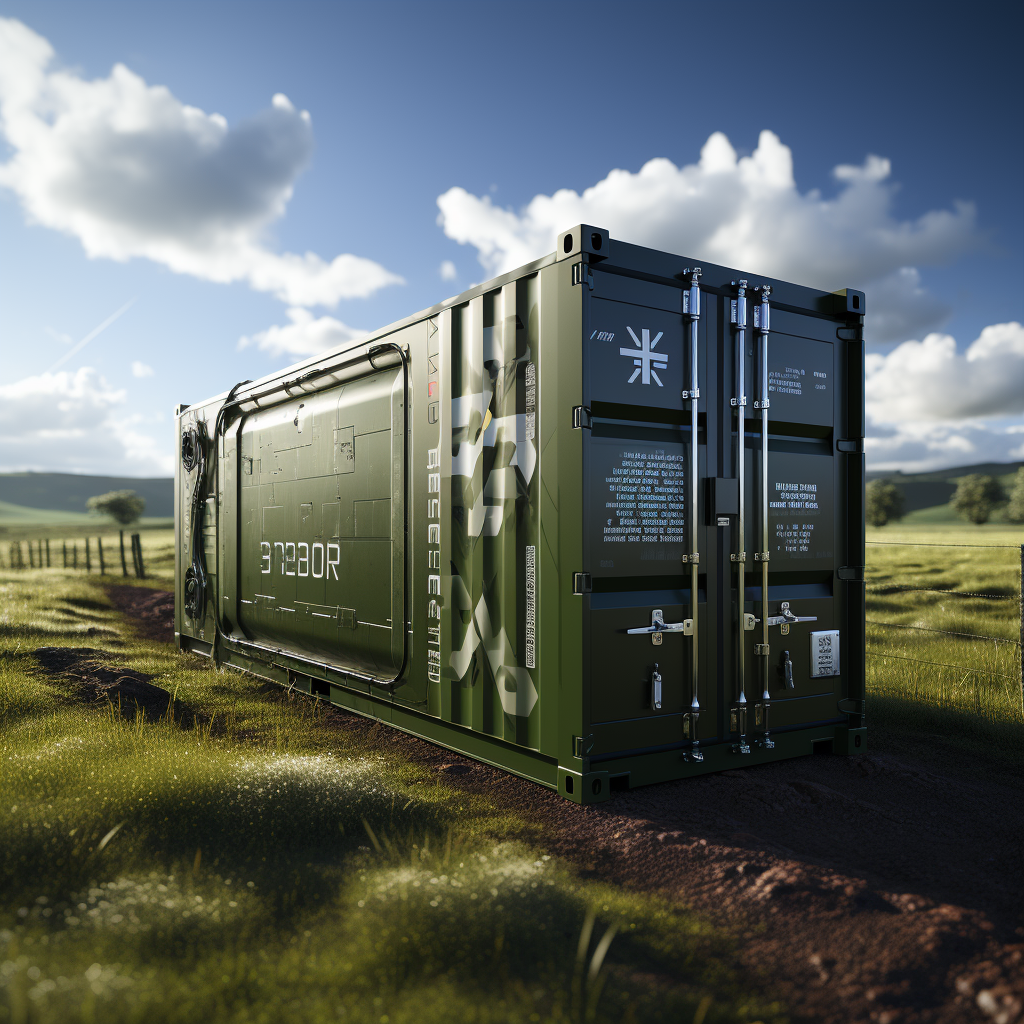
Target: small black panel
x,y
800,384
801,511
722,498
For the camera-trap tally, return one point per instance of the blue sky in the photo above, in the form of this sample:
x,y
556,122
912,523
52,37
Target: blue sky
x,y
123,186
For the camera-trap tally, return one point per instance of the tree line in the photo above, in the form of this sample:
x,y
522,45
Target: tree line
x,y
977,497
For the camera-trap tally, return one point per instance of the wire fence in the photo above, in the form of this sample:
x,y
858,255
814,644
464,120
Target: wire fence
x,y
38,554
968,646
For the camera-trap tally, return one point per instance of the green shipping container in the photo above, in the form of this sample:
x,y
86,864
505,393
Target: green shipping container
x,y
598,522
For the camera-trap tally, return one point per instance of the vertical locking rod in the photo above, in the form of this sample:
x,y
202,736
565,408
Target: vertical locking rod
x,y
739,318
761,325
693,308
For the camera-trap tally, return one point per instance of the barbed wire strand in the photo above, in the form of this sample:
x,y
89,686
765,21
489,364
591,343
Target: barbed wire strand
x,y
936,590
947,632
911,544
943,664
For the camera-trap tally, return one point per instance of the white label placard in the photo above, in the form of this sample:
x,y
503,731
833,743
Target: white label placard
x,y
825,653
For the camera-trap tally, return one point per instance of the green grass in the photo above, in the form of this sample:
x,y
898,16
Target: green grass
x,y
260,865
910,681
58,526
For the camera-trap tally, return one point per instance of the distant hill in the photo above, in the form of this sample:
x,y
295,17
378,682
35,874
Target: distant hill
x,y
926,490
68,492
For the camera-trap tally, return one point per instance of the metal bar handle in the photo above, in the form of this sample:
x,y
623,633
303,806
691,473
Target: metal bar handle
x,y
739,319
761,325
691,307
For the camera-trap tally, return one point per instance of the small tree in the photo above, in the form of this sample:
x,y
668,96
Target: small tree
x,y
976,497
124,507
1015,508
884,502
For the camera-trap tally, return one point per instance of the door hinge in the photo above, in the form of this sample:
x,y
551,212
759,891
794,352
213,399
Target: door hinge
x,y
581,583
582,274
582,745
580,417
851,572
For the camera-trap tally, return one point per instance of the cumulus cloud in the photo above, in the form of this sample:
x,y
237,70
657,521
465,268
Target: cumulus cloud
x,y
931,380
131,171
304,336
742,212
447,271
929,405
141,369
71,422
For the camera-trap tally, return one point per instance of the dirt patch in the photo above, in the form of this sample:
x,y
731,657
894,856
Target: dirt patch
x,y
130,691
884,888
152,610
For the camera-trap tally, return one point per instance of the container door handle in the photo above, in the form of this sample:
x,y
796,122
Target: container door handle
x,y
658,625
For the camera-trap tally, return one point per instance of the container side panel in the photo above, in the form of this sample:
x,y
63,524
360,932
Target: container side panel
x,y
494,460
322,569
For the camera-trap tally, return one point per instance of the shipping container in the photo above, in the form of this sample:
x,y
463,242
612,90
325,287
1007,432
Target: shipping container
x,y
598,522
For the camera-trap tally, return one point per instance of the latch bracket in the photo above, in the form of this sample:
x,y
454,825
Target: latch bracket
x,y
582,274
581,583
580,417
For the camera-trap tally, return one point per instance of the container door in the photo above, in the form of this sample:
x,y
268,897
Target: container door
x,y
322,507
639,507
768,498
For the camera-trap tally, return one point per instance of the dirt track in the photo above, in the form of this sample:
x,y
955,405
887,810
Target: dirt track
x,y
887,887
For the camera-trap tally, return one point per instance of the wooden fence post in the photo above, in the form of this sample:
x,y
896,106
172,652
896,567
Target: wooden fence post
x,y
124,564
99,551
47,552
64,545
140,567
88,556
74,554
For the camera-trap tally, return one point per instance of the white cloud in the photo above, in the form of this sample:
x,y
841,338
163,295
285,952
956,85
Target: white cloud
x,y
70,422
746,213
930,406
929,380
923,447
141,369
130,171
304,336
447,271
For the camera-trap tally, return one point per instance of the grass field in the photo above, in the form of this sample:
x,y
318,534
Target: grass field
x,y
239,860
916,602
58,526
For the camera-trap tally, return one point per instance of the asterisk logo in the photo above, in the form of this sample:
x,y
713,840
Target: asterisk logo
x,y
646,360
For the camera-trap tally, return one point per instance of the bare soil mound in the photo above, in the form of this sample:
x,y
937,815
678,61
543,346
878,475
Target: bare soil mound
x,y
129,691
152,610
